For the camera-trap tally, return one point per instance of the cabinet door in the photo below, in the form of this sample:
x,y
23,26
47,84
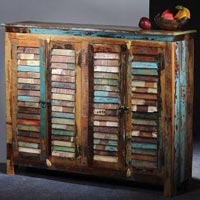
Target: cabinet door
x,y
145,139
106,100
65,102
29,115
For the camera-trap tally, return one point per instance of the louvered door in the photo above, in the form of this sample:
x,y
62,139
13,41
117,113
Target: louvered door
x,y
146,138
106,94
29,65
64,100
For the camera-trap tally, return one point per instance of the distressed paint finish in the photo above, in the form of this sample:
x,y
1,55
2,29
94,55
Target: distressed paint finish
x,y
68,88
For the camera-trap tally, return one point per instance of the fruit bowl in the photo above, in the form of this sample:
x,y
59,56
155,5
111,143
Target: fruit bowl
x,y
175,24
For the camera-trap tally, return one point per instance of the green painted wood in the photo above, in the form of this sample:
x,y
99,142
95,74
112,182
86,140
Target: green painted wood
x,y
43,110
28,144
63,132
144,146
28,128
63,115
61,148
148,72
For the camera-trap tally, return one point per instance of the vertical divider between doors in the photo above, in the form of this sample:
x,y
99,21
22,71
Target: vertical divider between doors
x,y
43,116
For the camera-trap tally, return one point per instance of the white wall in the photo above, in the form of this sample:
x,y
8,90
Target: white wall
x,y
110,12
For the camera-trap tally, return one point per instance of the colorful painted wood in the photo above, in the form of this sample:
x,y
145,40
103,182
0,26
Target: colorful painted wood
x,y
108,101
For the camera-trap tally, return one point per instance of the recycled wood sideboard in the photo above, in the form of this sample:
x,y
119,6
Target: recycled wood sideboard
x,y
102,100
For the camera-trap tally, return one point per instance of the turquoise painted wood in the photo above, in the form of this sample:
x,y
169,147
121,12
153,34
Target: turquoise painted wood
x,y
26,98
106,100
62,132
43,98
152,72
63,115
183,108
144,146
146,65
28,68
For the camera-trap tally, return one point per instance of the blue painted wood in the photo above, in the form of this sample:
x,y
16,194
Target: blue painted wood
x,y
26,98
109,142
177,113
105,100
96,33
148,72
144,146
146,65
101,94
63,115
183,109
28,68
107,148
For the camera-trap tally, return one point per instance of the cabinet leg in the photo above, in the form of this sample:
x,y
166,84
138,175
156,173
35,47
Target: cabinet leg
x,y
169,189
10,163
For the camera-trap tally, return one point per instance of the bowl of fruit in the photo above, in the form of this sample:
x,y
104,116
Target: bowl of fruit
x,y
169,20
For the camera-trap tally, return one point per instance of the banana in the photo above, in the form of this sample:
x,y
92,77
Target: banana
x,y
187,11
182,12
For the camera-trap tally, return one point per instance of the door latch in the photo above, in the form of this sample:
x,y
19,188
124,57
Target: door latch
x,y
44,104
123,110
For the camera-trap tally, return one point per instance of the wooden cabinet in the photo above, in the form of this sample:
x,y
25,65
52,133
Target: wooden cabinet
x,y
101,100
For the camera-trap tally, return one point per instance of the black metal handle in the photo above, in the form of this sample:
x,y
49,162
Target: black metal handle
x,y
123,110
44,104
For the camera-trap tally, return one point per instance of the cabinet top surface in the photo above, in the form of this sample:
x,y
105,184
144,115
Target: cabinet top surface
x,y
92,30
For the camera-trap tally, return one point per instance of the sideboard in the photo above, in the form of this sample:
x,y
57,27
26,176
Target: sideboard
x,y
101,100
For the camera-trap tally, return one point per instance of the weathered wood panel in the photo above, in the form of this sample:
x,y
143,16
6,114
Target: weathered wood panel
x,y
63,96
145,108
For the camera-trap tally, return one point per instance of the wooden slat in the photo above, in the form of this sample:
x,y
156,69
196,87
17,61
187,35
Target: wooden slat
x,y
106,123
63,127
28,145
111,56
29,150
144,164
62,154
60,104
106,69
105,136
66,97
110,159
24,86
63,52
62,59
25,56
28,63
63,72
61,68
106,62
28,74
62,143
63,78
144,157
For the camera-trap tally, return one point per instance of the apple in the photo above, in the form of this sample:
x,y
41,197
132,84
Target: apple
x,y
167,14
145,23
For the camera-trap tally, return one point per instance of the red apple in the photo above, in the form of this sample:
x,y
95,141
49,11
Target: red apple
x,y
145,23
167,14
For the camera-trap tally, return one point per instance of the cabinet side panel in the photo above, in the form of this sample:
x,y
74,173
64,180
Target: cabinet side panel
x,y
8,75
189,106
168,130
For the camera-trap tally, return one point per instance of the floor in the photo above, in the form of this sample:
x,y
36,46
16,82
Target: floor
x,y
38,185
